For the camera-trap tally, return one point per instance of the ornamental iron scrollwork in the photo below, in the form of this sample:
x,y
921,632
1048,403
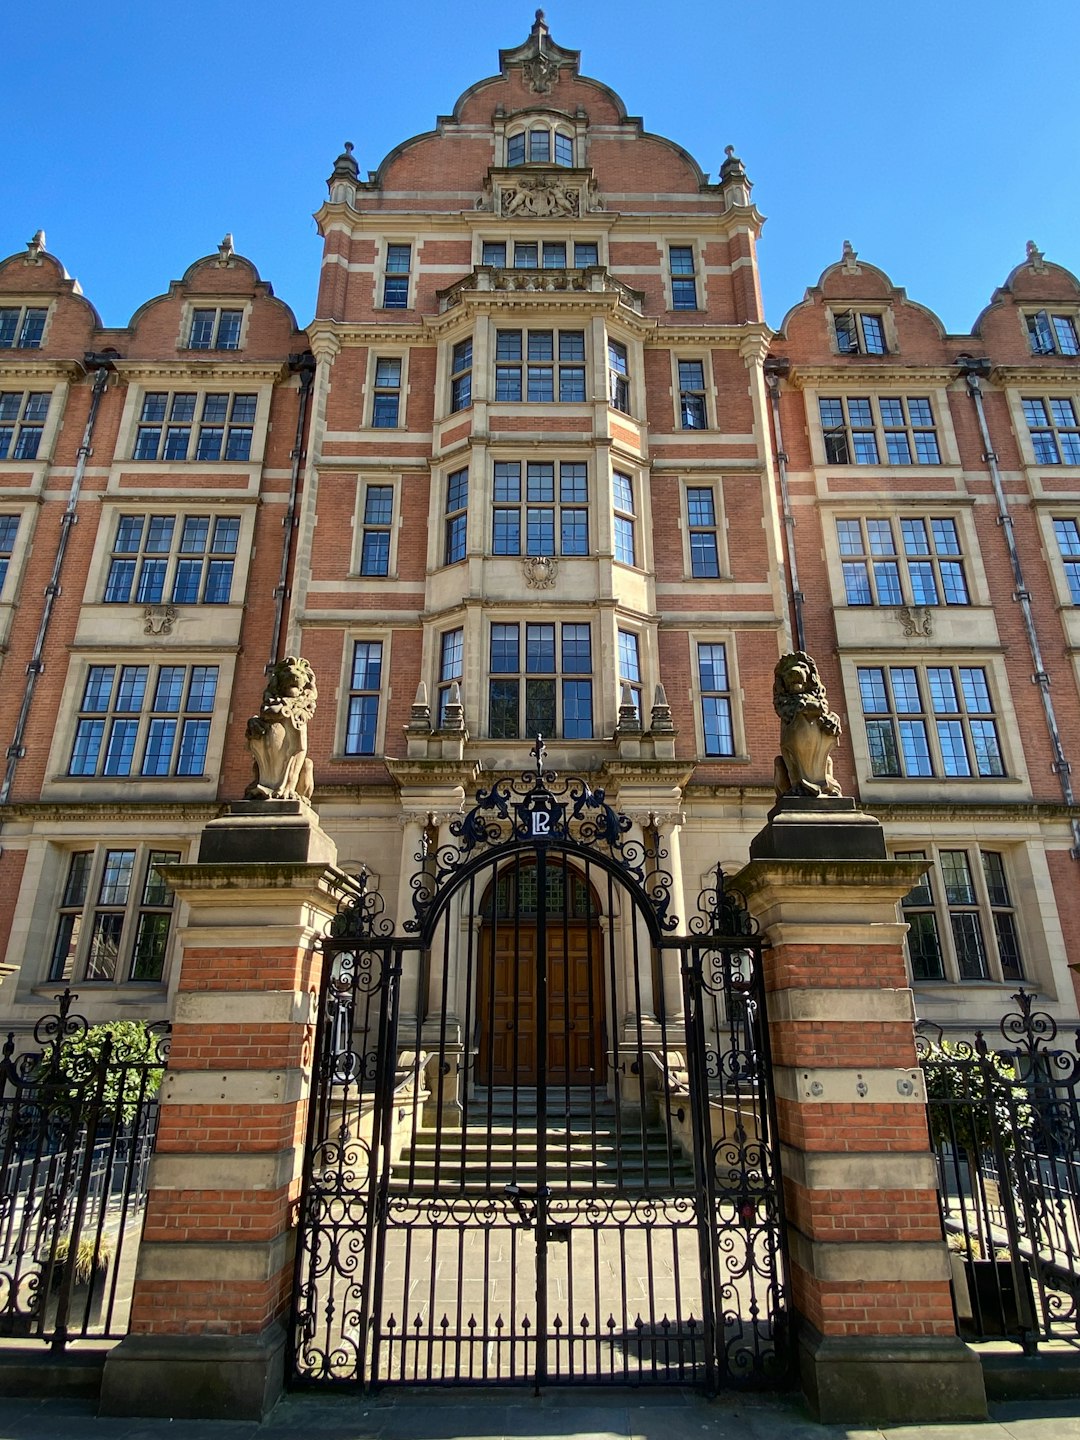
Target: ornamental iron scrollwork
x,y
722,910
1005,1126
360,913
78,1119
538,807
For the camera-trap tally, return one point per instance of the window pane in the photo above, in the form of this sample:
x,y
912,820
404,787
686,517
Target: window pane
x,y
503,709
121,747
716,724
203,688
194,738
362,725
577,709
704,556
629,663
915,747
540,707
98,690
151,942
170,688
956,874
887,579
924,947
856,583
367,665
504,649
116,877
970,947
712,667
157,756
540,649
881,743
104,950
577,649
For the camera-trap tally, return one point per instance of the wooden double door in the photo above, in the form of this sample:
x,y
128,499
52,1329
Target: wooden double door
x,y
509,1004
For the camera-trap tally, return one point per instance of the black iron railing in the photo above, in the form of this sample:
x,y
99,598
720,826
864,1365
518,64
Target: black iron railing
x,y
1005,1126
78,1118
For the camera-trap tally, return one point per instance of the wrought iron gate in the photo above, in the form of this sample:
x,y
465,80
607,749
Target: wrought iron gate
x,y
542,1143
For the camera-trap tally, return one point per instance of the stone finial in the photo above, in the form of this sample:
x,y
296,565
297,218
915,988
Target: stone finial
x,y
732,168
660,718
345,166
277,736
1035,258
420,714
226,250
35,248
453,717
629,718
809,730
849,258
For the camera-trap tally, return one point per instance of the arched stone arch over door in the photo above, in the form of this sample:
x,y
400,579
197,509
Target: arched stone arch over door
x,y
506,1020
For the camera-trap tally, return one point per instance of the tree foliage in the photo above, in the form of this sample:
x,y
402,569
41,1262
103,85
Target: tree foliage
x,y
133,1067
975,1098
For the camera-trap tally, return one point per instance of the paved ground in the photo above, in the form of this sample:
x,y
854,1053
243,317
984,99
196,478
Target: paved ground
x,y
495,1415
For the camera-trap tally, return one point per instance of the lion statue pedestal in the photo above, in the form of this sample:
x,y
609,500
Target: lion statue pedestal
x,y
812,818
274,823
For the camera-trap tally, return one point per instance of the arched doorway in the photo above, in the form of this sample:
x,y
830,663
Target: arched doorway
x,y
517,921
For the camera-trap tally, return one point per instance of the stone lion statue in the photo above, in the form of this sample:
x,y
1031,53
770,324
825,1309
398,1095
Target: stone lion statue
x,y
277,736
809,730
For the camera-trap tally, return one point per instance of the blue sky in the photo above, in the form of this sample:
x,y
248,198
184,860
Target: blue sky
x,y
937,137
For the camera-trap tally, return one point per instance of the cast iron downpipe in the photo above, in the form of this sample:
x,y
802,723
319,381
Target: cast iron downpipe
x,y
775,368
304,366
973,371
101,365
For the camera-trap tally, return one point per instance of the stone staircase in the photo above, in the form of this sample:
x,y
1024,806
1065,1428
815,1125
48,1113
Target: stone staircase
x,y
587,1147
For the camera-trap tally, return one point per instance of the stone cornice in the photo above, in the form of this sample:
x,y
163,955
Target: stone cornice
x,y
23,365
647,772
415,773
529,303
1035,811
170,372
719,337
66,811
343,333
1055,373
855,377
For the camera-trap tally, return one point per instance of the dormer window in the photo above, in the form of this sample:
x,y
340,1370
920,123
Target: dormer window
x,y
860,333
1050,334
540,144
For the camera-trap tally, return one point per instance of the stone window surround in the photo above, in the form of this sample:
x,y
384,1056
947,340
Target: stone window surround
x,y
28,300
1014,785
1021,428
696,636
393,350
692,481
694,243
230,379
379,272
864,386
59,785
1052,309
882,309
538,117
218,303
167,503
363,481
365,635
703,355
957,508
1024,908
57,388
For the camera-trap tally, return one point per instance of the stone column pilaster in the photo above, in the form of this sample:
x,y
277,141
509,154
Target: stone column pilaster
x,y
214,1276
869,1270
